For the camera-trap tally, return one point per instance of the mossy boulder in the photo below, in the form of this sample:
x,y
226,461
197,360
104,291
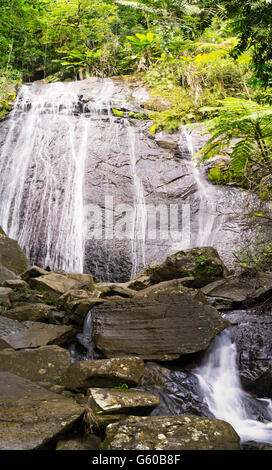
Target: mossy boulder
x,y
199,266
171,433
103,373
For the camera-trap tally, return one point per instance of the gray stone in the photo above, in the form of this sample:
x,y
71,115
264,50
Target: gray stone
x,y
110,401
33,334
46,362
11,255
171,433
161,322
103,373
30,415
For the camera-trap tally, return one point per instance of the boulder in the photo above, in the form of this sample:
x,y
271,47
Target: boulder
x,y
17,284
47,363
77,303
103,373
31,415
11,255
110,401
4,297
57,283
32,272
201,265
162,322
238,291
33,334
253,337
32,312
171,433
6,274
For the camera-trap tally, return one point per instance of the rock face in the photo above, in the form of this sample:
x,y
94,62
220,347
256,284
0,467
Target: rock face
x,y
109,401
30,415
12,258
201,265
103,373
161,322
47,363
172,433
33,334
253,337
236,292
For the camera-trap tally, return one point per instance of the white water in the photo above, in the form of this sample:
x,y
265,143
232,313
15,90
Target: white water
x,y
140,212
42,174
220,383
208,223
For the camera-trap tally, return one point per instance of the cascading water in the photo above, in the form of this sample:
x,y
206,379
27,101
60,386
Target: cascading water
x,y
220,383
42,173
207,195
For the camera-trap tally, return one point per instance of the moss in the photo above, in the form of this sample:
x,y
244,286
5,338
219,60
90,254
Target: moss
x,y
117,112
141,116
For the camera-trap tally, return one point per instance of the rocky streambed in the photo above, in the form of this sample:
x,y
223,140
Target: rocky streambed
x,y
128,381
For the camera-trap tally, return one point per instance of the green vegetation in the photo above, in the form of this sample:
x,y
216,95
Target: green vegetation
x,y
203,61
255,256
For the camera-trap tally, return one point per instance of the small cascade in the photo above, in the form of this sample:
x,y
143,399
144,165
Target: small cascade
x,y
85,338
220,384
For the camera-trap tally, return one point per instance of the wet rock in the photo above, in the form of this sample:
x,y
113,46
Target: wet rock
x,y
32,312
32,415
171,433
57,283
167,141
11,255
178,390
202,266
46,362
103,373
161,322
4,345
108,401
33,334
253,337
238,291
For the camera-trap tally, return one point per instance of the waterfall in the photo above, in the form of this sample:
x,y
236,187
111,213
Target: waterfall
x,y
42,174
140,212
220,383
207,194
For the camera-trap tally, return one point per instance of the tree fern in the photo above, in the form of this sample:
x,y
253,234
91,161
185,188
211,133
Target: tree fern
x,y
243,128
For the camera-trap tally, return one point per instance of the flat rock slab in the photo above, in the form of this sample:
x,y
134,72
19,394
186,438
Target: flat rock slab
x,y
108,401
33,334
237,291
47,363
30,415
171,433
103,373
161,322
